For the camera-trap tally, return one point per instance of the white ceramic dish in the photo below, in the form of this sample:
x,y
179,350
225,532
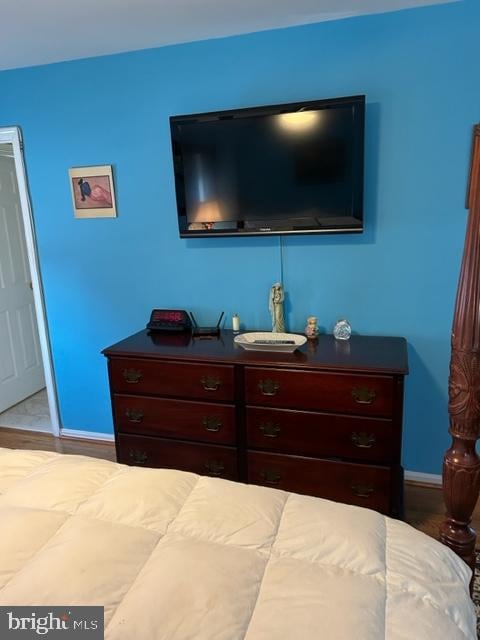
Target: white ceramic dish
x,y
273,341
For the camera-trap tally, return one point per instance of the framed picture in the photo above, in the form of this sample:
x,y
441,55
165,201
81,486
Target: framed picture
x,y
93,194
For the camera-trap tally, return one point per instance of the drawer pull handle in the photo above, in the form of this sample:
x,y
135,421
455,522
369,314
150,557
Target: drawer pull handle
x,y
211,423
214,468
363,490
210,383
132,376
134,415
268,387
361,395
363,440
271,478
138,457
270,429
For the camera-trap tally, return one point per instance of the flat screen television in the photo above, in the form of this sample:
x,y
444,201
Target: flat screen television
x,y
283,169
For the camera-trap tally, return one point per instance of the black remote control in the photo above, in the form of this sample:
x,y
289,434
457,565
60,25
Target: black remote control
x,y
274,341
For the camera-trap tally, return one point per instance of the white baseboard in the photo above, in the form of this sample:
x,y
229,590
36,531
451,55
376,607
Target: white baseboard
x,y
423,478
87,435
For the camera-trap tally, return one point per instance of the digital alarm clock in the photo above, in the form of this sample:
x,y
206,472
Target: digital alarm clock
x,y
169,320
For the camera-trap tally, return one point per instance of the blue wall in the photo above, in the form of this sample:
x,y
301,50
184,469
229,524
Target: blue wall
x,y
419,71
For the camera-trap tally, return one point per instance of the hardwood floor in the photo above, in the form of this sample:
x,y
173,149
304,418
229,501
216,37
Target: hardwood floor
x,y
18,439
423,503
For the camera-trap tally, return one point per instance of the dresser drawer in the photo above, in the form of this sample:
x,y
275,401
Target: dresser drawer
x,y
337,392
363,485
174,379
204,459
179,419
322,434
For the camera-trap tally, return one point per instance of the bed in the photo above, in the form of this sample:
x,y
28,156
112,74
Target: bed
x,y
172,555
175,556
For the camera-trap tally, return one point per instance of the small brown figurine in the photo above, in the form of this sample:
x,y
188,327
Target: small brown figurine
x,y
311,330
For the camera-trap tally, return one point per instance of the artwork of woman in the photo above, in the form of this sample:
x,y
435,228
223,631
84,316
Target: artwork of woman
x,y
93,193
96,193
275,304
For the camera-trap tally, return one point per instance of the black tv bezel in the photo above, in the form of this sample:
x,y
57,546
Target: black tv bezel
x,y
358,101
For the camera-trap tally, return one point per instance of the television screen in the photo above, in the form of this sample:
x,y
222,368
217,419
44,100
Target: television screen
x,y
295,168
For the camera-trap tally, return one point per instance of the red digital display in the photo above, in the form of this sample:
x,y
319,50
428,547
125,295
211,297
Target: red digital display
x,y
168,316
173,320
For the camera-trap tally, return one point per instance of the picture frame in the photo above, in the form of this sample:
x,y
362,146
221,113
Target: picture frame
x,y
93,192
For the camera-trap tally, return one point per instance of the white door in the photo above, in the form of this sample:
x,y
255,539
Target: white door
x,y
21,368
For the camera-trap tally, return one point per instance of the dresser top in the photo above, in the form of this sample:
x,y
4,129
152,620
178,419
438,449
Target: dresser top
x,y
360,353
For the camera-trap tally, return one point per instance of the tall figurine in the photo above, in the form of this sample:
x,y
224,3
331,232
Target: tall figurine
x,y
275,304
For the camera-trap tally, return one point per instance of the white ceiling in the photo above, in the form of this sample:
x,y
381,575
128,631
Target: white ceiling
x,y
43,31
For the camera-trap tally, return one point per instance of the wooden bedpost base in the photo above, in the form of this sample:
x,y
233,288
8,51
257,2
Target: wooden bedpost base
x,y
460,539
461,485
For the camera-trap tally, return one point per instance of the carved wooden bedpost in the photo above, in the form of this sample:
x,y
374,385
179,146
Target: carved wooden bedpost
x,y
461,467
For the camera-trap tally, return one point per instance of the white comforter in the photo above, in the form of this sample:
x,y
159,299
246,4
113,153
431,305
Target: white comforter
x,y
172,556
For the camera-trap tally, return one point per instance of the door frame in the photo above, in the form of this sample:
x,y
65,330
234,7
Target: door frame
x,y
13,136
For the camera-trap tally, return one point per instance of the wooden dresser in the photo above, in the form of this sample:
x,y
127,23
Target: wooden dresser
x,y
324,421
